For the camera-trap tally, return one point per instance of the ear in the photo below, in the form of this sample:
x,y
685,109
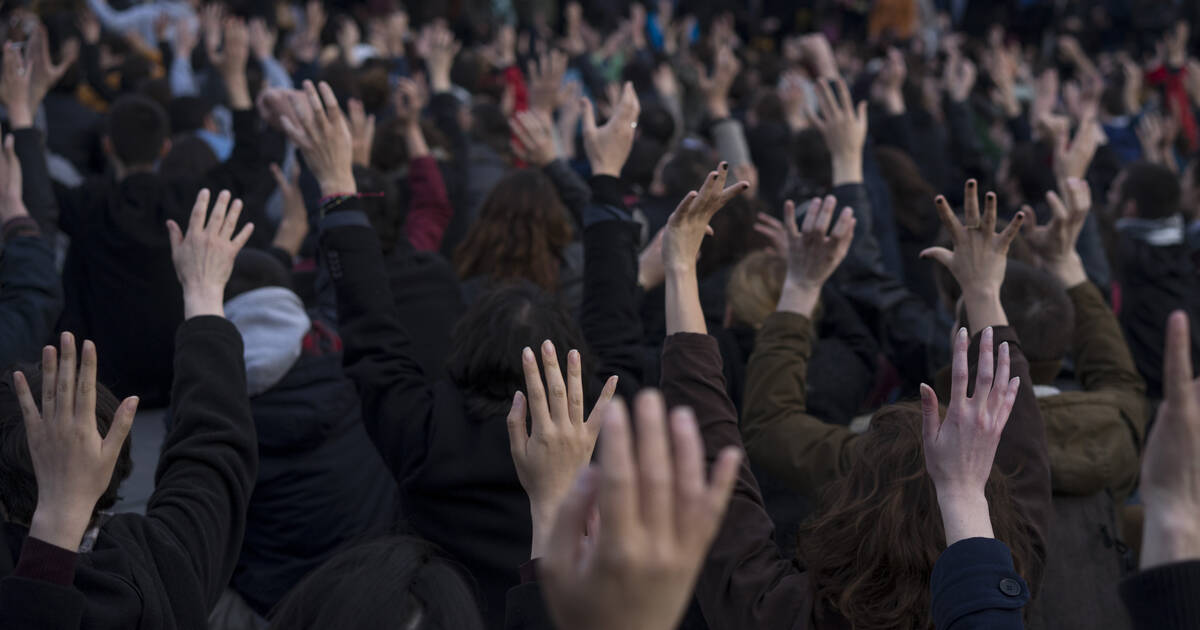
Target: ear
x,y
166,148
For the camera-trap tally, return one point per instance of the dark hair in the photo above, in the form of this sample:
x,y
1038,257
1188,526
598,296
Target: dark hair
x,y
16,468
733,235
256,269
489,126
521,232
187,113
395,582
871,548
685,172
1154,188
485,362
656,123
1039,310
188,155
137,128
643,160
1030,165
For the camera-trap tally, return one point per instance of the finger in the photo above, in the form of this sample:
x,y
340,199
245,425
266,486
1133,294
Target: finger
x,y
826,215
940,254
119,429
810,214
989,213
789,217
332,110
589,118
1029,227
844,228
732,191
931,419
960,371
518,434
1058,210
295,131
555,386
66,373
1177,363
231,219
1011,230
277,173
29,409
843,92
688,446
971,203
618,489
595,421
216,219
49,382
199,212
829,105
575,387
240,240
654,462
1000,386
313,100
535,393
986,368
951,222
85,385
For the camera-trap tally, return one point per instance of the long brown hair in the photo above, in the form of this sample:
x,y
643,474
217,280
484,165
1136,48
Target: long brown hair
x,y
520,233
870,550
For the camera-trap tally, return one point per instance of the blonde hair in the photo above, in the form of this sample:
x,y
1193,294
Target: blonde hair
x,y
754,287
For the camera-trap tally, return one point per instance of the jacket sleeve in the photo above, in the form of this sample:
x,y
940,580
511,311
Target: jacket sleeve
x,y
1022,454
1164,597
745,581
36,190
611,321
31,296
396,397
429,210
40,593
975,586
209,459
800,450
1103,362
572,190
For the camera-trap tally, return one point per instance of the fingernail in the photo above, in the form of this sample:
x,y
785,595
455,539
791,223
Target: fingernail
x,y
527,354
547,347
573,357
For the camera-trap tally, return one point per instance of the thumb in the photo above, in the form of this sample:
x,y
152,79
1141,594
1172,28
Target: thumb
x,y
940,254
174,234
589,118
931,419
119,429
277,173
518,435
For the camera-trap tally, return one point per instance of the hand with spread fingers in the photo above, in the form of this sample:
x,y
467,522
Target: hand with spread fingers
x,y
534,142
560,444
1072,158
15,90
960,449
658,517
688,224
44,73
316,125
545,81
1054,243
844,128
1170,482
812,251
608,147
231,63
715,85
362,130
72,461
204,256
980,255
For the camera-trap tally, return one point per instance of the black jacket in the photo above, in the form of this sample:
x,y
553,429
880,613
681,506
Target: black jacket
x,y
320,481
1164,597
31,298
166,569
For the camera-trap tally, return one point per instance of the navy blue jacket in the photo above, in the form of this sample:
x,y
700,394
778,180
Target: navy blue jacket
x,y
975,585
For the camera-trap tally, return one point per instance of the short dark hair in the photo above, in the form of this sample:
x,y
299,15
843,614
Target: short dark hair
x,y
400,582
189,155
187,113
138,129
1154,188
485,361
1037,306
16,468
255,269
685,172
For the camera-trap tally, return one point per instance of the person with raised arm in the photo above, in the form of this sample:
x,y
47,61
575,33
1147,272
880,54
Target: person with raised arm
x,y
81,565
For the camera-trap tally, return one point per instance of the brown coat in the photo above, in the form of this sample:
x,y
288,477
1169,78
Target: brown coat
x,y
746,582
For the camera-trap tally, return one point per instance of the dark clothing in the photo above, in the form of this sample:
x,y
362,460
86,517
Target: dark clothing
x,y
165,570
976,586
1164,597
746,583
121,288
31,297
320,481
39,594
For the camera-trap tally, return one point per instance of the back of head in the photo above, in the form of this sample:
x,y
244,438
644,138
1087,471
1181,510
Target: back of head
x,y
137,129
684,171
16,468
1039,310
1153,189
754,287
871,548
486,359
520,233
187,113
188,156
397,582
255,269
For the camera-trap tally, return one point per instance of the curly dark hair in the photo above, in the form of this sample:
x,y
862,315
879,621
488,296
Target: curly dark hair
x,y
16,467
520,233
870,550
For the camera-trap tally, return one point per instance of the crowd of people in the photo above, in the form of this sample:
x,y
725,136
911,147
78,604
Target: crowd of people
x,y
597,315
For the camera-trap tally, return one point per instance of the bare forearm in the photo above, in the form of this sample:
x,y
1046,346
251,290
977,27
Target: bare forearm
x,y
984,309
684,313
798,298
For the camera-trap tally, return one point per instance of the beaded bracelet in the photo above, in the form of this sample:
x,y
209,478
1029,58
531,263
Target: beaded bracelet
x,y
329,202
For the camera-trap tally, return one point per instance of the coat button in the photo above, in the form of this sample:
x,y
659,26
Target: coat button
x,y
1010,587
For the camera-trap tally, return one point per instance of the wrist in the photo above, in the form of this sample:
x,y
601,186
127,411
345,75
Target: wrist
x,y
799,296
62,527
439,82
203,300
893,103
338,184
20,117
1169,538
602,168
718,109
965,514
847,168
1069,270
542,518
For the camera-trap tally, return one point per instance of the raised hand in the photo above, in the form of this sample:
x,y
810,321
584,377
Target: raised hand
x,y
293,227
362,130
960,449
1071,159
231,63
1054,243
204,256
549,457
12,203
1170,483
15,88
439,48
608,147
688,224
959,79
534,141
887,88
545,81
318,128
262,38
844,128
44,73
715,86
812,251
980,254
658,517
72,461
